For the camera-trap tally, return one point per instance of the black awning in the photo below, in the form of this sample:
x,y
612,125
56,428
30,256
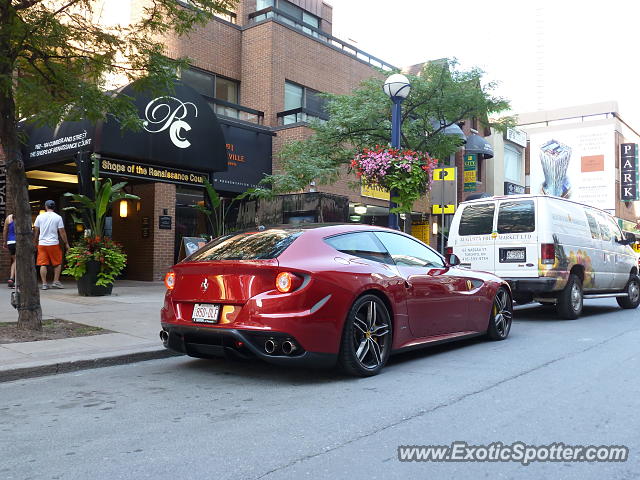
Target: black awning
x,y
179,131
452,129
478,145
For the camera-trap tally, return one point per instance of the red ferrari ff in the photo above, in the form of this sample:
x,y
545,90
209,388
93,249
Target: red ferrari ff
x,y
326,294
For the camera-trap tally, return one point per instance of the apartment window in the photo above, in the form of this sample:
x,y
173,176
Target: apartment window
x,y
512,163
308,101
299,17
227,15
211,86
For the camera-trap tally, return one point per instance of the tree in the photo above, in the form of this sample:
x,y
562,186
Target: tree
x,y
442,95
56,57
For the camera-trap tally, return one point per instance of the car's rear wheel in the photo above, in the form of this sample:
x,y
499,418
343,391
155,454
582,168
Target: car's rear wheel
x,y
501,316
367,337
633,292
570,300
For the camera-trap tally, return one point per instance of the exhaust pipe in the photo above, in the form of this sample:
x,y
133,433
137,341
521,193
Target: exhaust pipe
x,y
164,336
270,346
288,347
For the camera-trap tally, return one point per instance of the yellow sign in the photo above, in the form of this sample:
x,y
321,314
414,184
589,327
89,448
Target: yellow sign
x,y
636,247
469,176
449,174
437,209
420,230
374,191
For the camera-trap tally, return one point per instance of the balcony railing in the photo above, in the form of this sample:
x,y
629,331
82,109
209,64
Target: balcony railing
x,y
285,19
235,111
298,115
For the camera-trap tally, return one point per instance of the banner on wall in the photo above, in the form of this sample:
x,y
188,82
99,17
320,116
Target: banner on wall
x,y
629,172
576,163
470,172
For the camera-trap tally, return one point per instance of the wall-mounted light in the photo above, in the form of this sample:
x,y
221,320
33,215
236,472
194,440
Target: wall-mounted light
x,y
360,209
435,228
124,208
41,212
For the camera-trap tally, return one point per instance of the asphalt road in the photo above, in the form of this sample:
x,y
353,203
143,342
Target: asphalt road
x,y
575,382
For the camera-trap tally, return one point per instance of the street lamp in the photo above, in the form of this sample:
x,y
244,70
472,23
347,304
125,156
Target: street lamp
x,y
397,87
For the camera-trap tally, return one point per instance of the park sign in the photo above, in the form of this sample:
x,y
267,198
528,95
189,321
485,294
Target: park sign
x,y
629,181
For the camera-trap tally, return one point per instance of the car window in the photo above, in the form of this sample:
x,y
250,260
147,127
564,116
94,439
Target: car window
x,y
408,252
516,217
247,246
593,226
360,244
477,219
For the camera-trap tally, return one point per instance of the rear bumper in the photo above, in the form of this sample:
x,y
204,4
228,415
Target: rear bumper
x,y
532,285
222,342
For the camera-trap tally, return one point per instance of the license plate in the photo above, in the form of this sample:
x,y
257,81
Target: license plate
x,y
515,255
205,313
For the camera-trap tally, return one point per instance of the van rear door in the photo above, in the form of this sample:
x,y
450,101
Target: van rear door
x,y
516,244
473,242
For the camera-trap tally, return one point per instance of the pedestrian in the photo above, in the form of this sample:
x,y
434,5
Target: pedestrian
x,y
48,231
9,242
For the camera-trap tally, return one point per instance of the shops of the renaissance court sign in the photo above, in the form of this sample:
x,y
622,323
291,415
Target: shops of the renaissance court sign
x,y
180,140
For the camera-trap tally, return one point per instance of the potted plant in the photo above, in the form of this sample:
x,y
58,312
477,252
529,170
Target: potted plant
x,y
405,173
95,261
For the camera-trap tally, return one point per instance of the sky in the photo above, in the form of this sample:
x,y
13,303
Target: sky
x,y
545,54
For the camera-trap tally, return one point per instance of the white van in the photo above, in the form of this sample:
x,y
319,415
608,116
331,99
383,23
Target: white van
x,y
549,249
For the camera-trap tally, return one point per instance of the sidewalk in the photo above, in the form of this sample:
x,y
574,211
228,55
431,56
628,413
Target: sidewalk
x,y
132,312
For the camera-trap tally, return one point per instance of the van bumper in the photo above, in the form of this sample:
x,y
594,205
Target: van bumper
x,y
532,285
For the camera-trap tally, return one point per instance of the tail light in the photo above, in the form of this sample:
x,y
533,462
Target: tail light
x,y
287,282
448,250
170,280
548,253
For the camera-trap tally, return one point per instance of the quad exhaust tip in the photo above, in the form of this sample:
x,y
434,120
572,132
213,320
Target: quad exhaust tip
x,y
270,346
288,347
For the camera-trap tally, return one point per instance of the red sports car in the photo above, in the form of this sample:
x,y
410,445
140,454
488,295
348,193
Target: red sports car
x,y
326,294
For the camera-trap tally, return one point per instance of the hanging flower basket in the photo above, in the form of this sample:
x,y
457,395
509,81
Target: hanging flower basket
x,y
405,173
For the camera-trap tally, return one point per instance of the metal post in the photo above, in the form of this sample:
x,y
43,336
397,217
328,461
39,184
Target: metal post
x,y
443,179
396,120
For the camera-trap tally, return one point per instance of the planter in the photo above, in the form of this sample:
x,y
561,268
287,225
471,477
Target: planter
x,y
87,283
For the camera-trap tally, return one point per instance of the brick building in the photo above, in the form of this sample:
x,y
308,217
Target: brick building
x,y
260,69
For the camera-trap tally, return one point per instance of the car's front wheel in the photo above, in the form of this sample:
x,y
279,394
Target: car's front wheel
x,y
632,300
367,337
501,315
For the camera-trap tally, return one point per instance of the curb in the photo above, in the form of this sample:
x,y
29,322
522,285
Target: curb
x,y
21,373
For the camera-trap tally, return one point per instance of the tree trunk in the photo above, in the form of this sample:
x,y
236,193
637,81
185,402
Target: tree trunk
x,y
29,311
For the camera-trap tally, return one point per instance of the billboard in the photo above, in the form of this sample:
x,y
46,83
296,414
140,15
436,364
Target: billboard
x,y
576,163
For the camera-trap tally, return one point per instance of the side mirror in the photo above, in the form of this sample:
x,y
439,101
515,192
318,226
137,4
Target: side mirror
x,y
629,238
452,259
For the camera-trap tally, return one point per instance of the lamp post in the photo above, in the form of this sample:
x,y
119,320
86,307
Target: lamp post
x,y
397,87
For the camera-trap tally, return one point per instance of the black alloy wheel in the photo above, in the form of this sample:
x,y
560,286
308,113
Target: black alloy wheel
x,y
501,315
367,337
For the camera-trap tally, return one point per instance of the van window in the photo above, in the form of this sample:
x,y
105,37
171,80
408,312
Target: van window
x,y
593,226
477,219
517,217
614,228
604,229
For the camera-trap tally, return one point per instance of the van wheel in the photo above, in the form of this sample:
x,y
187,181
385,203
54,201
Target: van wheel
x,y
633,290
570,300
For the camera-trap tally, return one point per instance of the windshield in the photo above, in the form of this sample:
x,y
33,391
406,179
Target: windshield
x,y
247,246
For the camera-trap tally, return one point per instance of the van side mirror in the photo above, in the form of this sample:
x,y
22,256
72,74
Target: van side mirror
x,y
452,259
629,238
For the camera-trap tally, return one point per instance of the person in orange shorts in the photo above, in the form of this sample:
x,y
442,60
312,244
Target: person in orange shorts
x,y
48,231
